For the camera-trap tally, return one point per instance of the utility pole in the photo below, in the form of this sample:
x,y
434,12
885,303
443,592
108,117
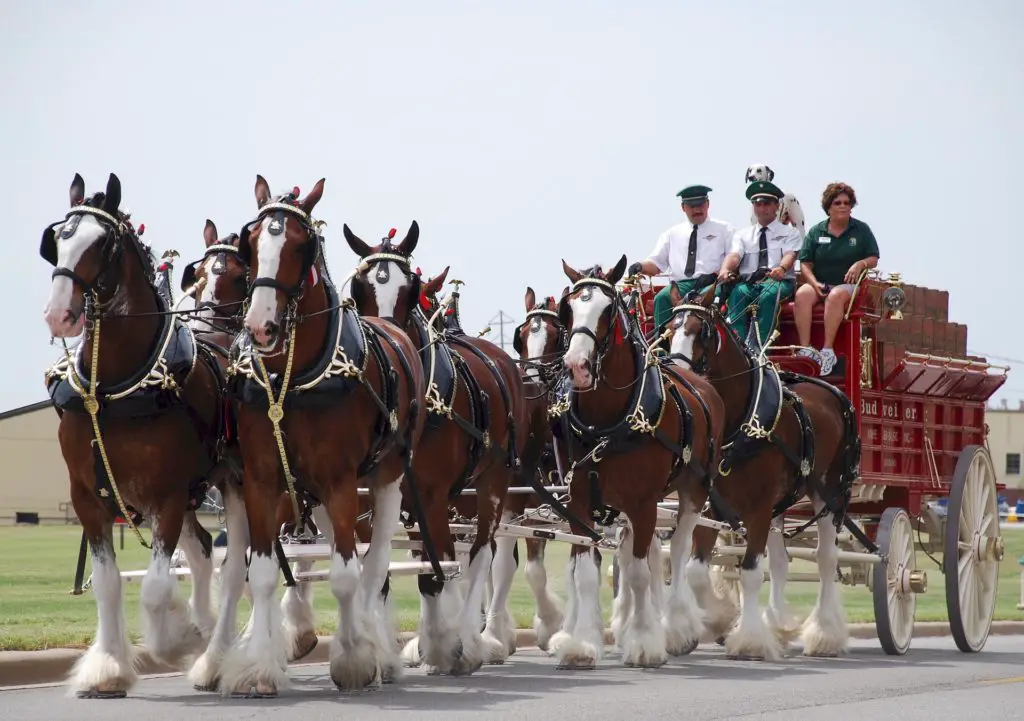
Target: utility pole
x,y
501,319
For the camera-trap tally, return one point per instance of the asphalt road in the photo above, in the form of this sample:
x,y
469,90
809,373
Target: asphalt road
x,y
934,681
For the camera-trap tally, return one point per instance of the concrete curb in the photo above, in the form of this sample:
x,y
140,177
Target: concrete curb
x,y
25,668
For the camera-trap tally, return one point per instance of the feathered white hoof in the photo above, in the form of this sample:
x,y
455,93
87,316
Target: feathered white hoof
x,y
824,633
471,659
558,639
644,648
684,625
499,640
545,628
98,674
577,654
411,656
171,636
205,672
259,677
355,666
754,643
785,628
720,616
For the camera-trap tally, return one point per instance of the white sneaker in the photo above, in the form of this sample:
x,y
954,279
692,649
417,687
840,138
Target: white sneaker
x,y
828,361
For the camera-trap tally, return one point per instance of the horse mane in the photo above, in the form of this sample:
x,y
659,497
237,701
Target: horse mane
x,y
144,252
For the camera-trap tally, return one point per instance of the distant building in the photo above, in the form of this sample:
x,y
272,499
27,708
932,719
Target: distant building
x,y
33,477
1006,443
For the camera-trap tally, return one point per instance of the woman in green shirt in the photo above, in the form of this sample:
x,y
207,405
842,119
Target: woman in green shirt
x,y
834,254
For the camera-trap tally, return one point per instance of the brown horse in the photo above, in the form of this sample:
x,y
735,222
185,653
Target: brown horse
x,y
630,436
475,436
140,416
326,400
219,282
540,341
787,436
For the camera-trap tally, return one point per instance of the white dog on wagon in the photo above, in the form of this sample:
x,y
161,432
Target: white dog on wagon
x,y
790,211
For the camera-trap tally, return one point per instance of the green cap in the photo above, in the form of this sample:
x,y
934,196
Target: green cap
x,y
694,194
763,189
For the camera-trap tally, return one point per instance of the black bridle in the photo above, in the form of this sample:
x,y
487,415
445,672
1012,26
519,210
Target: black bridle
x,y
601,347
232,320
388,253
118,229
278,209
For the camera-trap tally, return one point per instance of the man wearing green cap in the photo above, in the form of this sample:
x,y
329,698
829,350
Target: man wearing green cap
x,y
689,253
767,246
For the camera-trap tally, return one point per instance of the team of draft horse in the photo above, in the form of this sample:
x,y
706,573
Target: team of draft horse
x,y
288,396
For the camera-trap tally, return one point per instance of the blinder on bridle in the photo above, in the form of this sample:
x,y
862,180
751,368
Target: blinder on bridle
x,y
383,273
706,335
278,210
537,325
188,275
110,250
588,285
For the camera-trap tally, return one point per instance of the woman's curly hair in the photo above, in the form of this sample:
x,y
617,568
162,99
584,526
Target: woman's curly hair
x,y
833,191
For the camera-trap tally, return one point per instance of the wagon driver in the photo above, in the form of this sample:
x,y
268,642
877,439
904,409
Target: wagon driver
x,y
771,247
690,253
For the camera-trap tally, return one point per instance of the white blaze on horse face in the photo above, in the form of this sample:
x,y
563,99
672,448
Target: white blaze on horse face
x,y
207,295
386,291
586,313
63,320
535,343
263,308
682,341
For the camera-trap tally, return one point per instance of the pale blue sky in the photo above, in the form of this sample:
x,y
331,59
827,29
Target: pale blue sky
x,y
518,133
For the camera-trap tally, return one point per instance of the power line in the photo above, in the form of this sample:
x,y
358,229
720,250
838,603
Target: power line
x,y
502,319
996,357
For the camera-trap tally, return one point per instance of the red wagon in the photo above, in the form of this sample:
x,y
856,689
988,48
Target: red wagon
x,y
920,400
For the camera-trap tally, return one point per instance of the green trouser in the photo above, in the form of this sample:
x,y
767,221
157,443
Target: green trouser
x,y
663,303
763,294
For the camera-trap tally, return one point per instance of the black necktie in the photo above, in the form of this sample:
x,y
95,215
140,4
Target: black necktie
x,y
691,254
762,249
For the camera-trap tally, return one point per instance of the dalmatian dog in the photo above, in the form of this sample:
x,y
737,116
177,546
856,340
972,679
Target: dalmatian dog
x,y
789,210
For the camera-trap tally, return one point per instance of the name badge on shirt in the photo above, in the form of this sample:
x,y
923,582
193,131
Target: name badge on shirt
x,y
824,241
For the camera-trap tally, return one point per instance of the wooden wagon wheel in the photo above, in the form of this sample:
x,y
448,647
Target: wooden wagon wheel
x,y
973,547
895,584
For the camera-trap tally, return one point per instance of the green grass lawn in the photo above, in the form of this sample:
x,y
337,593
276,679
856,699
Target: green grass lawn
x,y
37,566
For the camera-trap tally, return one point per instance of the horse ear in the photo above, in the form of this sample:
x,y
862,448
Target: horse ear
x,y
77,191
313,197
358,246
112,198
408,244
210,233
262,191
616,273
531,298
708,298
570,272
435,284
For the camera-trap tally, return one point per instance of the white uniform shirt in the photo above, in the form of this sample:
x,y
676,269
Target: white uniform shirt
x,y
781,238
714,238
